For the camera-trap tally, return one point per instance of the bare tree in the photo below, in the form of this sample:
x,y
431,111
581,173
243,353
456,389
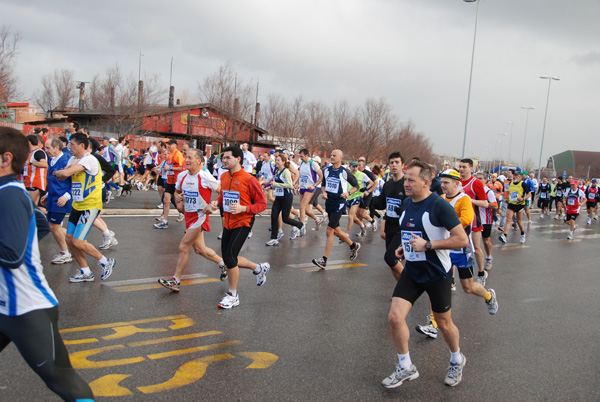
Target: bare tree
x,y
377,124
344,128
58,90
117,96
228,93
9,48
186,97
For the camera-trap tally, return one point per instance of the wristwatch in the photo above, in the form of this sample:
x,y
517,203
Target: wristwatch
x,y
428,245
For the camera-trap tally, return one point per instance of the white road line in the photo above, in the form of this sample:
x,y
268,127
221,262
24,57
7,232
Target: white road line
x,y
150,280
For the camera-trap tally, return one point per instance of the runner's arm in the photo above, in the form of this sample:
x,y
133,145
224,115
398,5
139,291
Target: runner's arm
x,y
15,214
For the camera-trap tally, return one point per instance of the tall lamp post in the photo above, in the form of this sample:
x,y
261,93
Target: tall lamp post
x,y
510,139
550,79
502,135
528,108
495,149
470,76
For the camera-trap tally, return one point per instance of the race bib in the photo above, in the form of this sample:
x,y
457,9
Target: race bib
x,y
392,205
230,197
77,191
542,195
192,202
570,201
591,196
409,253
304,181
332,185
507,187
279,192
559,193
514,195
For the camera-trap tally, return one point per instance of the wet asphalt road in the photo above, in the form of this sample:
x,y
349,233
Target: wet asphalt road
x,y
314,335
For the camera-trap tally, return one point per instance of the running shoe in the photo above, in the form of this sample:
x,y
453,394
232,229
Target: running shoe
x,y
162,225
261,277
570,236
229,301
354,251
453,287
107,268
427,330
320,262
108,241
522,239
502,238
454,374
375,225
108,196
220,236
492,305
280,234
319,222
303,230
62,259
596,217
119,192
295,233
250,234
170,284
488,263
81,277
180,218
223,269
272,242
160,206
399,376
363,230
159,218
483,278
589,221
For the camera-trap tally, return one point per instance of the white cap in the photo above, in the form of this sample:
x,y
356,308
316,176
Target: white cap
x,y
112,139
316,158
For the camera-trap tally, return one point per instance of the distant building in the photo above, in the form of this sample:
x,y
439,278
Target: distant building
x,y
23,112
576,163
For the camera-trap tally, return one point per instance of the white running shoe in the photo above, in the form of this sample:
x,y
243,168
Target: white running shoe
x,y
295,233
250,234
229,301
272,242
62,259
261,277
220,236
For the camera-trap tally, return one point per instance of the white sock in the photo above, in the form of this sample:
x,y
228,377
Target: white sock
x,y
65,252
404,361
455,357
257,270
221,263
233,292
86,270
106,233
176,279
103,260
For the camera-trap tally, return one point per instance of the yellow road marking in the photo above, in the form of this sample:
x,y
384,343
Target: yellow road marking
x,y
192,350
261,360
109,385
80,341
512,247
187,374
128,330
120,324
330,267
183,323
174,338
134,288
79,360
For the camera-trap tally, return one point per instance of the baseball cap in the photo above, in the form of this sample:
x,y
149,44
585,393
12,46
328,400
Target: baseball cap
x,y
593,180
574,182
112,139
272,151
105,138
354,163
316,158
524,172
450,174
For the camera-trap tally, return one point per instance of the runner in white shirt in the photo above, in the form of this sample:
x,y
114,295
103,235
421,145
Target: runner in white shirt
x,y
193,192
249,159
310,177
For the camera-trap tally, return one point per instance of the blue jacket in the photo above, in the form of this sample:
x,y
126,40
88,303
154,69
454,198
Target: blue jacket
x,y
56,188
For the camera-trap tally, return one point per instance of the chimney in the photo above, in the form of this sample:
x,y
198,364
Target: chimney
x,y
236,106
140,93
81,96
178,101
256,113
171,96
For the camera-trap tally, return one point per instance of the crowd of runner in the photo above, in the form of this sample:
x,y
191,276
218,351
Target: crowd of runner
x,y
435,224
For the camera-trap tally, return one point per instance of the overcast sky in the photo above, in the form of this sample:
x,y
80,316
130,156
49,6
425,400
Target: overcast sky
x,y
414,53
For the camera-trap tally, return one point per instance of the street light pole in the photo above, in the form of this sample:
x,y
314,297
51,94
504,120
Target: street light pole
x,y
470,76
510,139
528,108
504,135
545,117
